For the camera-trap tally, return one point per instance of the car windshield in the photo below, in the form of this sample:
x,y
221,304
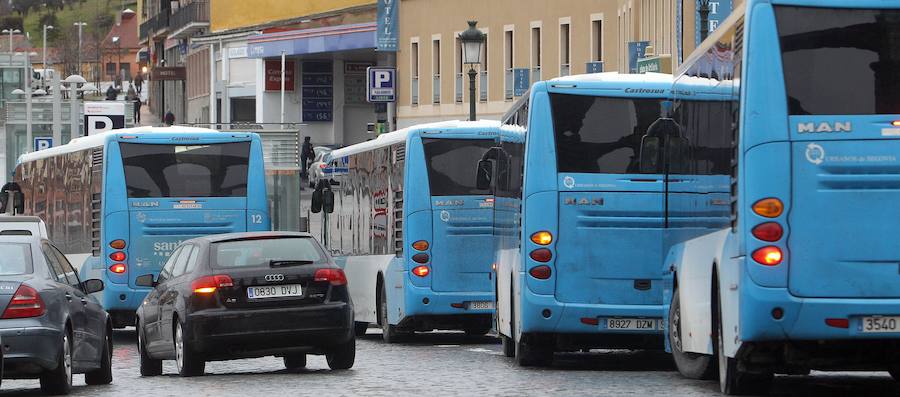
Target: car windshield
x,y
16,259
262,252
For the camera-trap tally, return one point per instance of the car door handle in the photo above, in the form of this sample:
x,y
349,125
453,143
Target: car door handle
x,y
84,301
68,297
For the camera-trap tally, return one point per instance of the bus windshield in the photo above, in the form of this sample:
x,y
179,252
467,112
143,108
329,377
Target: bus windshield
x,y
840,61
451,165
600,134
213,170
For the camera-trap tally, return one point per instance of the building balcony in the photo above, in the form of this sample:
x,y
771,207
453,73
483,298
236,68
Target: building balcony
x,y
154,26
189,20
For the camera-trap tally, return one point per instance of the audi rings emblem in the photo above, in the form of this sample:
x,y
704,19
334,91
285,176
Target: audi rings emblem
x,y
274,277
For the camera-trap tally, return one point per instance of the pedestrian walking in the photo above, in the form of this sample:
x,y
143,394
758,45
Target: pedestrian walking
x,y
169,118
137,109
306,153
139,82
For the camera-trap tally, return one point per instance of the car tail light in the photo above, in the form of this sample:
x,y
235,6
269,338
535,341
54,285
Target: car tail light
x,y
421,271
769,231
540,272
838,322
26,302
769,256
542,255
118,268
420,245
209,284
117,256
420,258
333,276
323,166
542,238
769,208
117,244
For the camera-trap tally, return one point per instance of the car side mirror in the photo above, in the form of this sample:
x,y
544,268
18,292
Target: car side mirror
x,y
94,285
315,205
328,201
145,281
483,174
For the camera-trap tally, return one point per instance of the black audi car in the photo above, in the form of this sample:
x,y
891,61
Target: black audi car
x,y
246,295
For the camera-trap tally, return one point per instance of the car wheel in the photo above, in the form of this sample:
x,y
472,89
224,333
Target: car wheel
x,y
532,354
733,381
102,375
690,365
149,366
295,361
59,380
186,360
342,356
389,332
359,328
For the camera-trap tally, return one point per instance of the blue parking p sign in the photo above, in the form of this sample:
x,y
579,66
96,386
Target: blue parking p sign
x,y
41,143
381,84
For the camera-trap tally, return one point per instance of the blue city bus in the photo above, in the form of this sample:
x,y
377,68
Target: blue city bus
x,y
412,230
118,203
582,231
804,276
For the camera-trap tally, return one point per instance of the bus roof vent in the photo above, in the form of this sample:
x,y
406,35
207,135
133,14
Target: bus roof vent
x,y
399,153
97,157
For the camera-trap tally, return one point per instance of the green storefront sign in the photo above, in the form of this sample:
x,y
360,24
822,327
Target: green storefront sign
x,y
656,64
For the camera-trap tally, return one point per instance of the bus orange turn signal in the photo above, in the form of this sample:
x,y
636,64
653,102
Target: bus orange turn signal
x,y
420,245
769,208
117,244
542,238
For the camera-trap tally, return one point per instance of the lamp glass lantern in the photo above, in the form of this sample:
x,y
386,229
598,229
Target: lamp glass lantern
x,y
472,41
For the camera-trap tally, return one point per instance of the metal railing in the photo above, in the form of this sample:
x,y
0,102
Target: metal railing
x,y
510,81
415,90
459,87
565,69
154,25
483,86
436,89
198,11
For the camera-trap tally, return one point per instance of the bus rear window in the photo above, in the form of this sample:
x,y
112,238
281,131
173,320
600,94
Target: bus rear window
x,y
452,164
216,170
840,61
600,134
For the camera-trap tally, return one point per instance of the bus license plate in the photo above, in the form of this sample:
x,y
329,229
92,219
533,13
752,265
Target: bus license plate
x,y
481,305
632,324
880,324
275,291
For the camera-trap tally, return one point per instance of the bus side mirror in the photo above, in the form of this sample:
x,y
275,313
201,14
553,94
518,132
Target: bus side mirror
x,y
328,201
4,200
19,199
483,175
649,155
315,205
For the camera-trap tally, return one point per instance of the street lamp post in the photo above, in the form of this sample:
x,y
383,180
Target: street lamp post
x,y
44,60
80,25
11,33
472,41
118,44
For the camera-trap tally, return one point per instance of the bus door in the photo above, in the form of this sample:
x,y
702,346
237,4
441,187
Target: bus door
x,y
844,122
611,200
462,246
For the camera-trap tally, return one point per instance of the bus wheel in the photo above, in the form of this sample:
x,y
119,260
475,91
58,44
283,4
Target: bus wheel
x,y
895,372
531,354
690,365
733,381
388,332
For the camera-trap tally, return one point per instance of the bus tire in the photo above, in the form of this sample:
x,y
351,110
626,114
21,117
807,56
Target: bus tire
x,y
509,347
388,332
360,328
530,354
690,365
733,381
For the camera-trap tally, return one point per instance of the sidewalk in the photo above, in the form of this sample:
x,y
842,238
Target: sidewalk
x,y
148,118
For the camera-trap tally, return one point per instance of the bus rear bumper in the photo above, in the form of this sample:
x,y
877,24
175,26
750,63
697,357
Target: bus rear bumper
x,y
428,309
805,318
121,301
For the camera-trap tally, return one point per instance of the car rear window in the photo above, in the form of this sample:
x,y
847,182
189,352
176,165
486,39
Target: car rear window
x,y
261,252
16,259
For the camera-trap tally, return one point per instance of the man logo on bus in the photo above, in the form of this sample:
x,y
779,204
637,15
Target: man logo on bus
x,y
807,128
569,182
815,153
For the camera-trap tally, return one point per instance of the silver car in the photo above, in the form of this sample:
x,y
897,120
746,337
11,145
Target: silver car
x,y
319,169
51,327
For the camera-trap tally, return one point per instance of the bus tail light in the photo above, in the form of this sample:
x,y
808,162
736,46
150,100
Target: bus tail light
x,y
542,238
334,276
209,284
541,272
769,256
895,123
769,207
26,302
542,255
117,256
117,244
420,245
837,322
118,268
421,271
769,231
420,258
